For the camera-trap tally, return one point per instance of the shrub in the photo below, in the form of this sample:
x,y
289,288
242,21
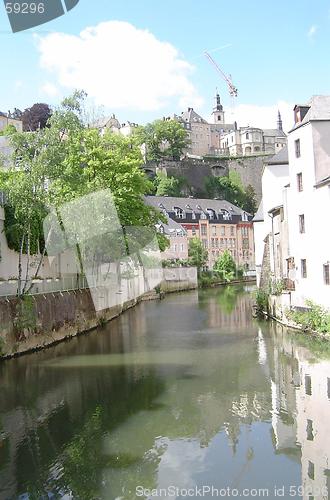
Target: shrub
x,y
261,301
315,318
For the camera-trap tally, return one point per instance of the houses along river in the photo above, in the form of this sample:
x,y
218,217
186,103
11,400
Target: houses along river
x,y
183,393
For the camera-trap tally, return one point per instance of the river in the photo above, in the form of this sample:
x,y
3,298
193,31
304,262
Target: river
x,y
187,396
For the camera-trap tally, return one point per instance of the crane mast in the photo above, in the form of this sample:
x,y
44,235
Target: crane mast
x,y
233,91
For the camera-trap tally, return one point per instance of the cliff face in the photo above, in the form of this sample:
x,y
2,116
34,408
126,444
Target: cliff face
x,y
196,171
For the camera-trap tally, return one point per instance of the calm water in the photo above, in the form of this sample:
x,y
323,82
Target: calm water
x,y
187,392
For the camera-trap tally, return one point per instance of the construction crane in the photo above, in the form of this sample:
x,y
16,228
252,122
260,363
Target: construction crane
x,y
232,89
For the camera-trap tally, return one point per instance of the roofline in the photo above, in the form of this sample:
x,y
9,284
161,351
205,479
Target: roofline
x,y
323,182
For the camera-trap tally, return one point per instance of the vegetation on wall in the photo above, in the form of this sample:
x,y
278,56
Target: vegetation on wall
x,y
231,189
314,318
163,139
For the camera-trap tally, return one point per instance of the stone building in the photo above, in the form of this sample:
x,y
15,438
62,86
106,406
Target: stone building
x,y
204,137
247,141
11,119
220,226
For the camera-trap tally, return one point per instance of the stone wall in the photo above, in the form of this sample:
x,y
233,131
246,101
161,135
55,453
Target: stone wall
x,y
44,319
195,171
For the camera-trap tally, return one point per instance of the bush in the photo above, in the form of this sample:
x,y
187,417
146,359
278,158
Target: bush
x,y
316,318
261,301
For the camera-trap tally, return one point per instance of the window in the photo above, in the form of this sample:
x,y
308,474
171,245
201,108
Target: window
x,y
193,215
223,230
193,231
247,135
212,242
179,213
326,274
299,182
308,385
203,230
309,430
297,147
232,231
303,268
216,242
245,216
214,230
204,242
301,223
310,470
182,247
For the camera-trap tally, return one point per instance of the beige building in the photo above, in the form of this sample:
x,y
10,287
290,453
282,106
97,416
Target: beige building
x,y
10,119
220,226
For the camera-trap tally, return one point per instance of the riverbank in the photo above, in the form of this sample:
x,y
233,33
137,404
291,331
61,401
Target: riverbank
x,y
279,309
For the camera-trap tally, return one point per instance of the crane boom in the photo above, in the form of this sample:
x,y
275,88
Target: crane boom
x,y
233,91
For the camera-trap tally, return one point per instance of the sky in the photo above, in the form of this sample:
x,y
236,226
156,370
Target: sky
x,y
144,59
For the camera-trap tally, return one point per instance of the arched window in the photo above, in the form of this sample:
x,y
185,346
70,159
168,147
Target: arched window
x,y
257,148
247,150
247,135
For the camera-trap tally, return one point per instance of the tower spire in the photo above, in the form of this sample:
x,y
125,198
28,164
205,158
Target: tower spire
x,y
279,121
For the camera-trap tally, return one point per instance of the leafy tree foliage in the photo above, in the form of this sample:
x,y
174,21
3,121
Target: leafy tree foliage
x,y
8,130
36,117
164,139
64,161
232,190
168,186
225,266
197,254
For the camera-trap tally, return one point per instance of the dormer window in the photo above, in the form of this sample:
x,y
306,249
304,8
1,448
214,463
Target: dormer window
x,y
225,214
245,217
211,213
179,213
203,215
193,215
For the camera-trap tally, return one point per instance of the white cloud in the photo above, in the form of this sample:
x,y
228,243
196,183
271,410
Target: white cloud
x,y
312,31
262,116
49,89
120,66
18,84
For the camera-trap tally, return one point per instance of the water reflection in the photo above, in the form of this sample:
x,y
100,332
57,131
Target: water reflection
x,y
187,391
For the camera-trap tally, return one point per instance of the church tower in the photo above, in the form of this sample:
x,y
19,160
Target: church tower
x,y
218,112
279,121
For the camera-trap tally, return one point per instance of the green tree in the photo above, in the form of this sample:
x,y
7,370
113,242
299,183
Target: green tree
x,y
250,202
168,186
164,139
197,254
8,130
225,266
71,161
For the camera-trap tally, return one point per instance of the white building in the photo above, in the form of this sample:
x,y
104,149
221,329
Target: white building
x,y
274,179
249,141
300,238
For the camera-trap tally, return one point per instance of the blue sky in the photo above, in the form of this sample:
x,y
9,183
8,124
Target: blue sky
x,y
277,53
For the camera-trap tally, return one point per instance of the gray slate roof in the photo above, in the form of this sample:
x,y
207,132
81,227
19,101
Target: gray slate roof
x,y
273,132
259,216
319,109
190,116
172,228
196,205
281,158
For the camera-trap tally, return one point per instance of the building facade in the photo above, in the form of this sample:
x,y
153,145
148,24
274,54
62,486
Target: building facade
x,y
219,224
296,245
10,119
